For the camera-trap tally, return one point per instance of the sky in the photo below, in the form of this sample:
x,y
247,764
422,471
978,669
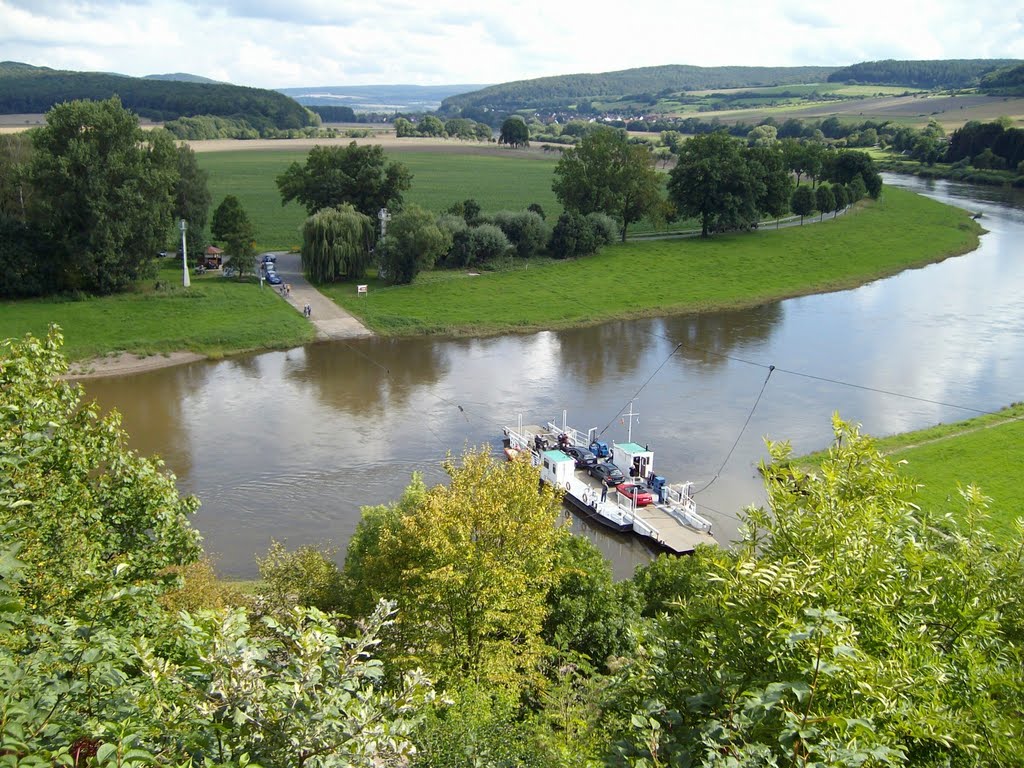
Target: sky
x,y
295,43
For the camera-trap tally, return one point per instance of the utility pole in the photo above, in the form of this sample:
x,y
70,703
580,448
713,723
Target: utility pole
x,y
184,255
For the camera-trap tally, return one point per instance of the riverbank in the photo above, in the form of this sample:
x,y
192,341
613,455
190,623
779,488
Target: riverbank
x,y
986,451
876,239
218,317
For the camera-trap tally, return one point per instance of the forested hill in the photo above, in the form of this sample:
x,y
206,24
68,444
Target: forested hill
x,y
28,89
940,73
565,90
1005,82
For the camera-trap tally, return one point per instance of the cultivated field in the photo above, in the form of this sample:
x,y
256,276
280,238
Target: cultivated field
x,y
444,172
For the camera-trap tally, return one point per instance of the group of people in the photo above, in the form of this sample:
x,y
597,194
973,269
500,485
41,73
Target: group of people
x,y
307,311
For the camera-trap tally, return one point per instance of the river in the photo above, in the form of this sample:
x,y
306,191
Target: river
x,y
289,445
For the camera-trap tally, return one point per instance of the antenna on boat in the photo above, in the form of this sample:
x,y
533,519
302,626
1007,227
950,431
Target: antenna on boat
x,y
630,415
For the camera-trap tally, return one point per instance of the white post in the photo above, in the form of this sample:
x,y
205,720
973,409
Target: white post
x,y
630,415
185,281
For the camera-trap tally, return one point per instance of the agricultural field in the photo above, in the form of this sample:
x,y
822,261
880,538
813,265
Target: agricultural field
x,y
951,112
498,179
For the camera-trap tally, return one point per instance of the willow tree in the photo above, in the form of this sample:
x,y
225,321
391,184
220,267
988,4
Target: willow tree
x,y
336,244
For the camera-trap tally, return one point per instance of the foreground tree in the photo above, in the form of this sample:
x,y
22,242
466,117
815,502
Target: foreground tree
x,y
713,182
103,192
336,244
232,227
470,565
94,671
358,175
607,174
848,627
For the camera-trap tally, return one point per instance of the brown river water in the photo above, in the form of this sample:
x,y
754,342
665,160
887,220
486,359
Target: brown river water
x,y
289,445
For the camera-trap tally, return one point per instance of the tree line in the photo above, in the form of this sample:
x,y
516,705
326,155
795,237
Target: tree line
x,y
29,90
848,626
937,73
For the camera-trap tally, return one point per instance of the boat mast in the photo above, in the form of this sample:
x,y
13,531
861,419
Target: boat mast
x,y
630,415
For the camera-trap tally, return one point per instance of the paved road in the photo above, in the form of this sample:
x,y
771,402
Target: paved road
x,y
330,320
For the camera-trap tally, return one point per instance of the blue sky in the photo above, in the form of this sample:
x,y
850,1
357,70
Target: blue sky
x,y
289,43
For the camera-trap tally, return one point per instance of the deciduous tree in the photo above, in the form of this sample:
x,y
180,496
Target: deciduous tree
x,y
470,564
848,627
336,244
824,200
191,199
414,242
514,132
103,191
802,202
231,226
713,181
358,175
607,174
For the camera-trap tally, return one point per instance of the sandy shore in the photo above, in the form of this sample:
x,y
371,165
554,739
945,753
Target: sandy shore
x,y
126,363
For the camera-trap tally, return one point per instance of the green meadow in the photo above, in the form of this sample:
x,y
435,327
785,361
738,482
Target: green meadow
x,y
987,452
215,317
659,277
502,181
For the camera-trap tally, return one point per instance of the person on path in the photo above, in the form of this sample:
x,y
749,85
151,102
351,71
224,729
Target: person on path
x,y
604,492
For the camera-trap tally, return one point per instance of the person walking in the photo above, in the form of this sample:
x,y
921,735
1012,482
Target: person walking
x,y
604,492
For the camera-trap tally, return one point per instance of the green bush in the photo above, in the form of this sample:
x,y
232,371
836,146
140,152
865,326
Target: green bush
x,y
308,577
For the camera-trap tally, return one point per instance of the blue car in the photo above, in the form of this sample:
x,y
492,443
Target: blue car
x,y
274,279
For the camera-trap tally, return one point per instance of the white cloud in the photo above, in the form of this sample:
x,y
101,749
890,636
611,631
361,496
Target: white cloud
x,y
315,42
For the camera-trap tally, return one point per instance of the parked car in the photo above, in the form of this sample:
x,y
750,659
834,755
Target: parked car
x,y
607,473
584,458
230,272
268,258
274,279
639,492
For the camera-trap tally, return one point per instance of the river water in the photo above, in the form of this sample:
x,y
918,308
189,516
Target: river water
x,y
289,445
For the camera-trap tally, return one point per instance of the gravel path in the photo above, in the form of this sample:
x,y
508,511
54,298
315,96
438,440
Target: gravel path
x,y
330,320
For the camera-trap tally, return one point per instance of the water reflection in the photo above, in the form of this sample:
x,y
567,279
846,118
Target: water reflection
x,y
367,376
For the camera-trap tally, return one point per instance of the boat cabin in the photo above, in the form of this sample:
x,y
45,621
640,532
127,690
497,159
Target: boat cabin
x,y
557,468
633,459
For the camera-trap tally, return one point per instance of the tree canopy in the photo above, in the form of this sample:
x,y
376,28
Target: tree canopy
x,y
103,192
514,132
605,173
231,225
713,181
358,175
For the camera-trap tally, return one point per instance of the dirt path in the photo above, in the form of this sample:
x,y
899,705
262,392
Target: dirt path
x,y
331,321
951,435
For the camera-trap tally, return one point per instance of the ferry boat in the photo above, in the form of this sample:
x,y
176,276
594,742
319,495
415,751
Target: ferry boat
x,y
670,521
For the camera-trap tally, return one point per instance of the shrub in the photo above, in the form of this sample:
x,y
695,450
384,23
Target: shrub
x,y
605,228
308,577
487,242
525,230
573,236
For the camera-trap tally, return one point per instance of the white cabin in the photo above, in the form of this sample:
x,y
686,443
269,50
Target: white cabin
x,y
633,459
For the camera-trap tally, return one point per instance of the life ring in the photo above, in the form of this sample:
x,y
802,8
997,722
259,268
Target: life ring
x,y
567,485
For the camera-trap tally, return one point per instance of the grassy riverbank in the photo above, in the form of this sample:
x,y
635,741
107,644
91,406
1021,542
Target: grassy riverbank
x,y
214,317
877,239
987,452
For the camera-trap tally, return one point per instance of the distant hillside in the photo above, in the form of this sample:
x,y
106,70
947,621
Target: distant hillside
x,y
940,73
1005,82
565,90
28,89
378,98
181,77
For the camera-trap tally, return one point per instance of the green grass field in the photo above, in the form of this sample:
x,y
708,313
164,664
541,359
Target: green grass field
x,y
216,316
901,230
987,452
497,182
